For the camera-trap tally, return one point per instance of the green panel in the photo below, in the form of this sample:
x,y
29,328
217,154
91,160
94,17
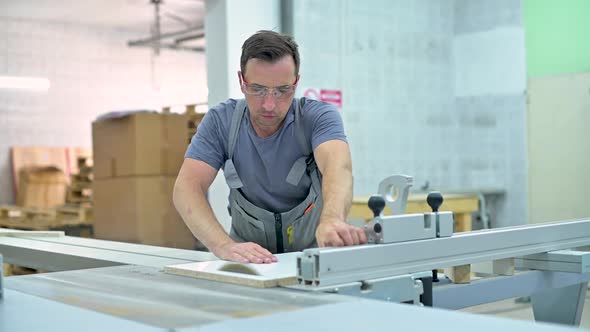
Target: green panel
x,y
557,36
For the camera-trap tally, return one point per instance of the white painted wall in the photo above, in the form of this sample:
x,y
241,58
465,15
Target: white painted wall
x,y
490,85
92,71
490,62
433,89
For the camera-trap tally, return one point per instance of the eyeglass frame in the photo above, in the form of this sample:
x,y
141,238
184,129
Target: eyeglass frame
x,y
244,84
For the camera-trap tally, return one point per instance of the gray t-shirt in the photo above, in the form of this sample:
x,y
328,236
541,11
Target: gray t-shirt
x,y
263,163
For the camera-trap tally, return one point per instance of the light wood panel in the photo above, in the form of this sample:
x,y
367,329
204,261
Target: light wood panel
x,y
276,274
18,233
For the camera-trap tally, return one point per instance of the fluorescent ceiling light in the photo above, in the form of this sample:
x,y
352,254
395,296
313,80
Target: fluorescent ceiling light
x,y
30,83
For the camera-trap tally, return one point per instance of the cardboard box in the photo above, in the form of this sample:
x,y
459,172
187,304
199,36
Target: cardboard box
x,y
139,209
139,144
42,187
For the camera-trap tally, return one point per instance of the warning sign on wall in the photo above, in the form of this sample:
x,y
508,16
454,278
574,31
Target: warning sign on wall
x,y
328,95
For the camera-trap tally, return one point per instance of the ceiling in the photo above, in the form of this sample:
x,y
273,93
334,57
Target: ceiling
x,y
132,15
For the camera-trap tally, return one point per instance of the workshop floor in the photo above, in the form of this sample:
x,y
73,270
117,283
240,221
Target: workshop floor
x,y
515,310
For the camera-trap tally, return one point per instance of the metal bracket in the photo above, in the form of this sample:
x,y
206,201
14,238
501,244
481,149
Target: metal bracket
x,y
409,227
560,260
403,288
400,185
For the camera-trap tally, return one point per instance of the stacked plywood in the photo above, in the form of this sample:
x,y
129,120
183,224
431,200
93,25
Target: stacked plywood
x,y
41,187
42,157
194,119
80,189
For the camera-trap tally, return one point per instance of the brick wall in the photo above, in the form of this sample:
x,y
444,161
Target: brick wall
x,y
92,71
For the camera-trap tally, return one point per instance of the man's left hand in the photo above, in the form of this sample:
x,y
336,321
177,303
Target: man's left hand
x,y
339,234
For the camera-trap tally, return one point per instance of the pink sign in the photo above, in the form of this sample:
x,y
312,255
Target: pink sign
x,y
330,96
311,94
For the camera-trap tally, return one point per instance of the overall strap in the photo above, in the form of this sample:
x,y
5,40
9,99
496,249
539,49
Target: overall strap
x,y
307,162
229,169
299,130
234,128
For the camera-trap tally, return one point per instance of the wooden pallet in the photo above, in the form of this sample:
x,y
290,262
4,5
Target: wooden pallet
x,y
85,178
80,192
44,219
9,211
75,212
73,199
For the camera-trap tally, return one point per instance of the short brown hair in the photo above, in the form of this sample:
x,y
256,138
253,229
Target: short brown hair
x,y
269,46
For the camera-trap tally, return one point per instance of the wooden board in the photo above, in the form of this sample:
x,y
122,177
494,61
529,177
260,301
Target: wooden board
x,y
23,157
64,158
284,272
17,233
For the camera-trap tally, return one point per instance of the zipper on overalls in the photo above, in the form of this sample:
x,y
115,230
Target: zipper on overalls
x,y
279,233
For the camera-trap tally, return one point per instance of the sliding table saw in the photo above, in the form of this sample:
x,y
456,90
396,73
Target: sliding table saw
x,y
110,286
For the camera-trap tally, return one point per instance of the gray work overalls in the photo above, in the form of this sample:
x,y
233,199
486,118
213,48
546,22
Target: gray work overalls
x,y
293,230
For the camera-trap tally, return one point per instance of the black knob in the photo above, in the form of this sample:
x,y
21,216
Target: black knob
x,y
376,204
377,228
435,200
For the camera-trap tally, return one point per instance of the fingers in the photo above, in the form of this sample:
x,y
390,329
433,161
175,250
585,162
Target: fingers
x,y
361,235
265,255
257,254
334,241
237,257
248,252
346,236
355,237
342,234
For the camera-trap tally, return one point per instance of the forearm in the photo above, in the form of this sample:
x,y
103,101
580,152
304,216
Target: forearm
x,y
336,192
192,205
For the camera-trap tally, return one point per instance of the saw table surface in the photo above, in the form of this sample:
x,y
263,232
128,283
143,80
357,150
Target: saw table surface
x,y
149,296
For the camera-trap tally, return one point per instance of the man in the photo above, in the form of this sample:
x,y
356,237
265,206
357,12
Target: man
x,y
286,161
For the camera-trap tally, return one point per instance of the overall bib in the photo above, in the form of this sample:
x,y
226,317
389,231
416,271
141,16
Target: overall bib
x,y
293,230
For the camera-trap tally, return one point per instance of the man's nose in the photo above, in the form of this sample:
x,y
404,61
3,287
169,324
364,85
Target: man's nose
x,y
269,102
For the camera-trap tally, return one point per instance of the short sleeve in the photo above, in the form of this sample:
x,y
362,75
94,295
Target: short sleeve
x,y
210,141
326,123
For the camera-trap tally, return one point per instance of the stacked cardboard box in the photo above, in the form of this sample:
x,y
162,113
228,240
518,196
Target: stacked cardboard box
x,y
137,157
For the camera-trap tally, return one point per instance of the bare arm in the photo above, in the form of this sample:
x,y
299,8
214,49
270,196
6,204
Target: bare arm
x,y
334,162
189,196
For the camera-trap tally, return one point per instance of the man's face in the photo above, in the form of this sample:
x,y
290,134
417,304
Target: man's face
x,y
269,89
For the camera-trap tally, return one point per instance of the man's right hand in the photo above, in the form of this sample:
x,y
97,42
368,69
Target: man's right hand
x,y
247,252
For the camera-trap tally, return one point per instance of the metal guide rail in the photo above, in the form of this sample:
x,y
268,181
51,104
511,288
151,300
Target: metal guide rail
x,y
330,266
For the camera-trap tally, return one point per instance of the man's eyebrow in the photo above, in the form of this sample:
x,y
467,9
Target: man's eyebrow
x,y
264,86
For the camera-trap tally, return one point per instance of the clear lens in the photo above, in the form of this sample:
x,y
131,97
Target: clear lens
x,y
262,91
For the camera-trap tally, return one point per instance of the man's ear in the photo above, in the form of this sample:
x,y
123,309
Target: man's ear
x,y
297,80
241,79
